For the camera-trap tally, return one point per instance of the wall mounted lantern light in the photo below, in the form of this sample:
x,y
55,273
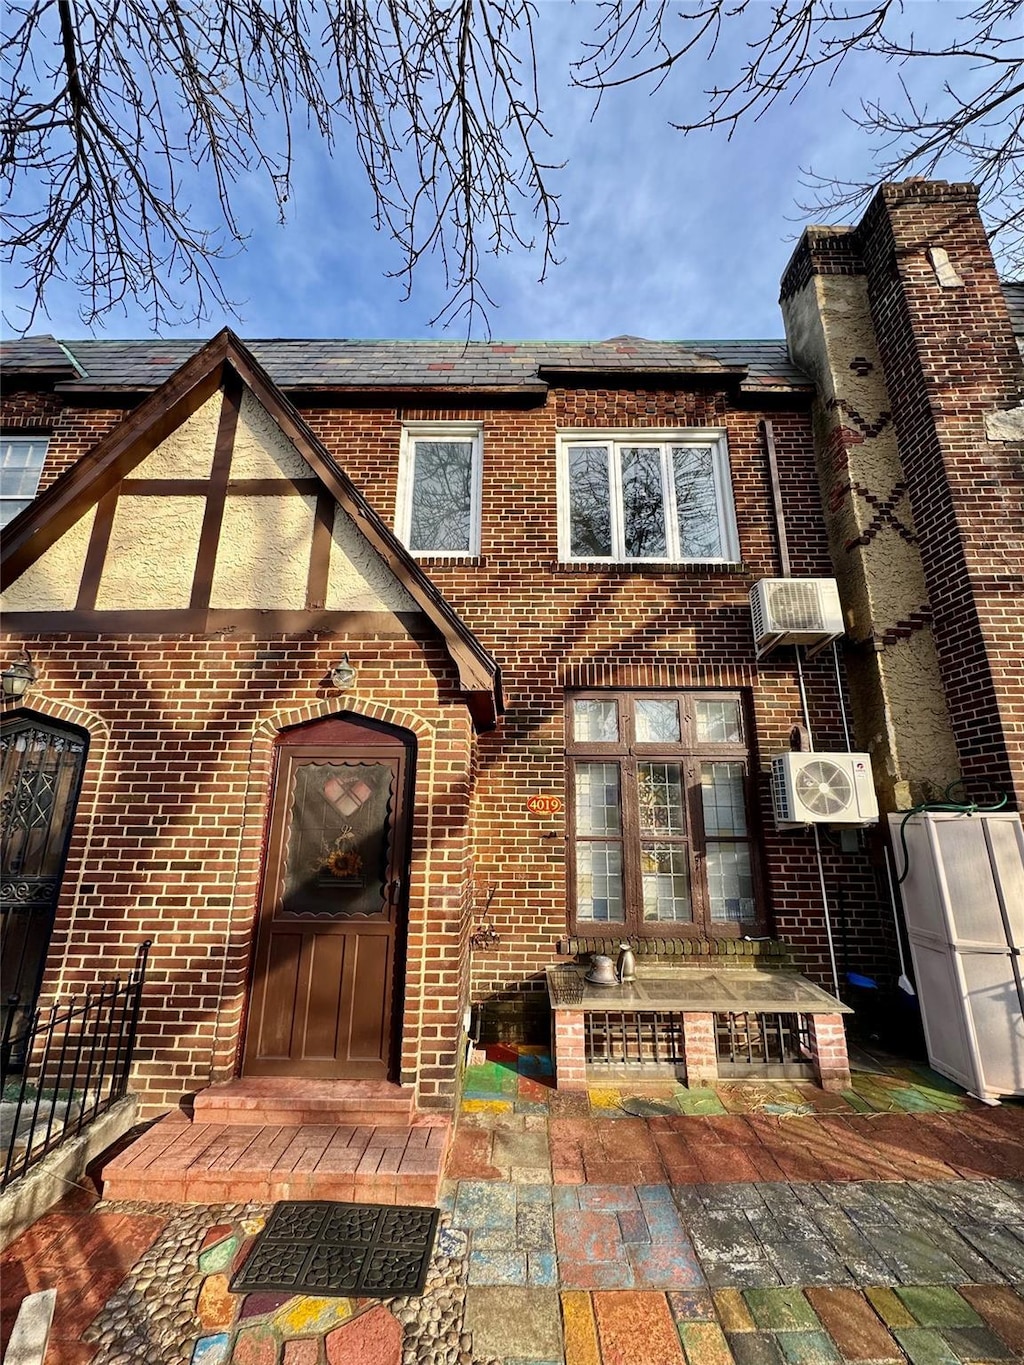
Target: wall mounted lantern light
x,y
343,675
17,676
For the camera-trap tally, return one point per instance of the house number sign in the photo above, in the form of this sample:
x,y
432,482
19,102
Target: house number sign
x,y
544,805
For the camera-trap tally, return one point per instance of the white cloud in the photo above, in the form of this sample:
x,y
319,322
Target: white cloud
x,y
667,236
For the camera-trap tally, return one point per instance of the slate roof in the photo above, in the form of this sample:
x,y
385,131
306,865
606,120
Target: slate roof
x,y
311,364
40,355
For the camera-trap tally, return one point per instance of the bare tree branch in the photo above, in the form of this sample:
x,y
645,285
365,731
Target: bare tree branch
x,y
790,43
115,107
129,127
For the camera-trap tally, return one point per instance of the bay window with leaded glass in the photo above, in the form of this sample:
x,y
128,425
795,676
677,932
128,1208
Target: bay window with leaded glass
x,y
659,814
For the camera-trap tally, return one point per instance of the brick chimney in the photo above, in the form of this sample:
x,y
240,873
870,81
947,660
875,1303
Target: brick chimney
x,y
920,446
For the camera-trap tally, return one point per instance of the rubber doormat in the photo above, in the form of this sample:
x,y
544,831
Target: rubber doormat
x,y
320,1247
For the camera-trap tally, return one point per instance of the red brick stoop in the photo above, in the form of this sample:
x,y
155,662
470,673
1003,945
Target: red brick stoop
x,y
206,1163
291,1102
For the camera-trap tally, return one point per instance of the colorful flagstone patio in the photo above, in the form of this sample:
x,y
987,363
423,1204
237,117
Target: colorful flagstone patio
x,y
764,1224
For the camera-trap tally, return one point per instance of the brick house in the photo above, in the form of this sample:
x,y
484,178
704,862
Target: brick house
x,y
332,623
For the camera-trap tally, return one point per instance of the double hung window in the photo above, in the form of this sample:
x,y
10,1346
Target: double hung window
x,y
21,463
659,806
439,489
646,496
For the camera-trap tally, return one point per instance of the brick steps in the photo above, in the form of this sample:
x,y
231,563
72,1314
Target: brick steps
x,y
176,1161
290,1102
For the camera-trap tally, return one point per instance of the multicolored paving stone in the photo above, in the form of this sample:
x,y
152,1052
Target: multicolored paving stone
x,y
522,1077
748,1224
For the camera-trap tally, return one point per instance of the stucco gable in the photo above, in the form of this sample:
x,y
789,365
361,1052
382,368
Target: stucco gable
x,y
214,497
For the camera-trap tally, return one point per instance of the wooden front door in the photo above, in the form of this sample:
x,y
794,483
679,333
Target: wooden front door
x,y
329,940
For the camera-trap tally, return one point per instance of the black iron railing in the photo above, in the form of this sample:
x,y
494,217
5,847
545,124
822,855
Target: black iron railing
x,y
63,1066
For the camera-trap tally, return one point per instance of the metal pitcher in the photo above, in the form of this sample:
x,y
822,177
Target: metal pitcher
x,y
626,966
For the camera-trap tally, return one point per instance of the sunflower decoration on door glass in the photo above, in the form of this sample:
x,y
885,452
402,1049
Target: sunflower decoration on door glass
x,y
339,862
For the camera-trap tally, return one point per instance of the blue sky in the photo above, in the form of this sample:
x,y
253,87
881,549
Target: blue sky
x,y
667,237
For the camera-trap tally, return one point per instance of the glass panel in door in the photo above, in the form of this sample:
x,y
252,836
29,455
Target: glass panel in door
x,y
338,844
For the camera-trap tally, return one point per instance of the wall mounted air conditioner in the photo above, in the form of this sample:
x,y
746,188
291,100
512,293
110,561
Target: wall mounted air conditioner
x,y
823,789
795,611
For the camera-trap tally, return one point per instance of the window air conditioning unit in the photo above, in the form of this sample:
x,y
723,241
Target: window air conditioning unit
x,y
823,789
795,611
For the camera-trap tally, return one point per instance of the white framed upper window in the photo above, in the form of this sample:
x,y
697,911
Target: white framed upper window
x,y
21,463
646,496
439,479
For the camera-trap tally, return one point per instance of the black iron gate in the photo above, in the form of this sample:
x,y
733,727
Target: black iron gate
x,y
42,764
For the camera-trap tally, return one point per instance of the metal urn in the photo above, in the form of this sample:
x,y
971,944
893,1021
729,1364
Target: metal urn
x,y
601,973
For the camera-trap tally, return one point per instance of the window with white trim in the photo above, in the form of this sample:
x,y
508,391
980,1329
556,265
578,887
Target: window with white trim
x,y
439,479
21,464
659,814
646,496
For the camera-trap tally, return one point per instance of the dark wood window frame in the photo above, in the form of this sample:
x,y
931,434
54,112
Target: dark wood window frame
x,y
690,753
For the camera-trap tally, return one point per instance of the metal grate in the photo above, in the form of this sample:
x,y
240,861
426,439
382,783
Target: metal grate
x,y
762,1044
747,1043
324,1248
652,1039
40,774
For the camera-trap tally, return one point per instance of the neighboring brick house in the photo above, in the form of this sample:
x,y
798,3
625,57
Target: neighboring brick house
x,y
303,608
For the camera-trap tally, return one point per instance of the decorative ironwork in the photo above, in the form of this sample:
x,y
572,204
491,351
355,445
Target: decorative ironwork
x,y
42,770
66,1065
30,890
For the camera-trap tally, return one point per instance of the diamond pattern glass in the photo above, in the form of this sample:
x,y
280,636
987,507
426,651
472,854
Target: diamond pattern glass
x,y
657,721
595,722
660,789
641,861
666,880
718,721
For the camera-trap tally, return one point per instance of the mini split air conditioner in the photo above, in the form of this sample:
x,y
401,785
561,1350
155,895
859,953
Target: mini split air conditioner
x,y
795,611
823,789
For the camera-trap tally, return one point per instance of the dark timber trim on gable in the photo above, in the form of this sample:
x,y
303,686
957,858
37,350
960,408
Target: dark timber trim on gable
x,y
226,363
356,625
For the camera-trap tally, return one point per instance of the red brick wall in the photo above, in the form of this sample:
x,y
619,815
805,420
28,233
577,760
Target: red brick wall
x,y
553,626
950,358
171,847
73,430
170,826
